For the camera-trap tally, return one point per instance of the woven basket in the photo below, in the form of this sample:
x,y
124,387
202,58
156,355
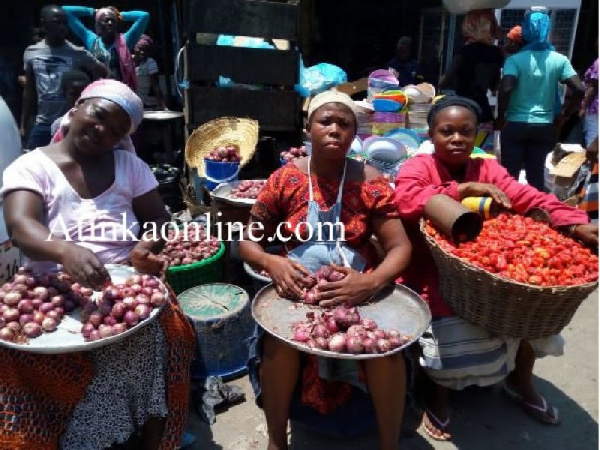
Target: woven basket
x,y
501,306
223,131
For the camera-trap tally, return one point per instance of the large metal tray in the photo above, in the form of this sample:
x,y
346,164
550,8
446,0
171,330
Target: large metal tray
x,y
395,306
68,338
223,193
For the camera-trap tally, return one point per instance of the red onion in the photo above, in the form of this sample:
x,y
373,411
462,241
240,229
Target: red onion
x,y
57,300
134,279
60,311
49,324
87,329
395,342
147,291
119,328
335,276
94,335
320,330
12,299
332,325
301,335
158,299
3,322
15,327
11,314
25,318
143,311
36,303
105,331
131,318
32,330
356,330
95,318
383,345
130,303
110,321
20,279
322,343
118,310
6,287
112,293
25,306
152,283
136,288
38,317
368,324
379,334
20,288
6,334
54,314
52,292
392,333
142,299
127,292
354,344
337,343
41,293
370,345
105,309
86,292
45,307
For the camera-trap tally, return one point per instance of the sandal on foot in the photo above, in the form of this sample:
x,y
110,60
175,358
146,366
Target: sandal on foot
x,y
442,426
545,413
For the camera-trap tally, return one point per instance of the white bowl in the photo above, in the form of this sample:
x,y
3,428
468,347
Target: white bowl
x,y
384,149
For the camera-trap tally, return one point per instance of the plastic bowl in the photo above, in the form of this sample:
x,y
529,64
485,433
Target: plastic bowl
x,y
381,105
384,149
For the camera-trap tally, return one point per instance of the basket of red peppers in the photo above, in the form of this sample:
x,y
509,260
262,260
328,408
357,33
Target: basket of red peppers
x,y
518,278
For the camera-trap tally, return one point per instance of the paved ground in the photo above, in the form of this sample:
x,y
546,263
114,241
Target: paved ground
x,y
481,419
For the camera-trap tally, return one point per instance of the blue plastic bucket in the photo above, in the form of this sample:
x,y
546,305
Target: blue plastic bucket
x,y
220,172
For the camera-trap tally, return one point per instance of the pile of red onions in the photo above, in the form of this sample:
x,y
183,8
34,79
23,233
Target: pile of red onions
x,y
293,153
225,153
31,305
311,283
121,307
248,189
342,330
182,249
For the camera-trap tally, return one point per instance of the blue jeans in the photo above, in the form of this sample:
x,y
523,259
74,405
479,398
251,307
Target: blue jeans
x,y
527,144
39,136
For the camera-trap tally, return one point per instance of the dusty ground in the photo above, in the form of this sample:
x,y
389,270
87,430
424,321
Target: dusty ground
x,y
481,419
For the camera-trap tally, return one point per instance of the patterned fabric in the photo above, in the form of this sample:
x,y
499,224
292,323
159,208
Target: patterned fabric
x,y
589,196
457,354
592,75
46,398
285,199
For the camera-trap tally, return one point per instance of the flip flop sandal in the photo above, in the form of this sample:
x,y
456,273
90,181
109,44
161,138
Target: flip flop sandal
x,y
437,423
546,413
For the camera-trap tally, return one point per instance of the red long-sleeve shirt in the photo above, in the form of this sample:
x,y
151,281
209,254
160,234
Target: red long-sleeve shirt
x,y
424,176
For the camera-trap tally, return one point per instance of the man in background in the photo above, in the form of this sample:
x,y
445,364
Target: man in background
x,y
403,65
45,63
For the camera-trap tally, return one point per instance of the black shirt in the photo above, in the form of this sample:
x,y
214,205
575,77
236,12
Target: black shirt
x,y
478,72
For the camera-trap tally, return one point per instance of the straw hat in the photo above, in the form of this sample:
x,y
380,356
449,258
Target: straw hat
x,y
221,132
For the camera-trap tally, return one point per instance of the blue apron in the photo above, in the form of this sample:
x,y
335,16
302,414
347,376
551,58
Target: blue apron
x,y
315,253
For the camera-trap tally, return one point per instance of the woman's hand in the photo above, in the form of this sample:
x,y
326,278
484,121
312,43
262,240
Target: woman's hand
x,y
287,276
144,261
84,266
355,288
587,233
473,189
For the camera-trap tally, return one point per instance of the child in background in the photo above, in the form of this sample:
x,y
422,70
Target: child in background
x,y
146,70
72,85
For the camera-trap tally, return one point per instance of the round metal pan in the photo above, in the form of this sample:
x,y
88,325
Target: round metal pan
x,y
394,307
68,338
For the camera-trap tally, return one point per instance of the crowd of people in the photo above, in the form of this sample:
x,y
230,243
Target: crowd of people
x,y
56,70
82,163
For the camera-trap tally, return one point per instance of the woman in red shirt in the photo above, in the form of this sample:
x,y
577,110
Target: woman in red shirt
x,y
456,353
327,187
